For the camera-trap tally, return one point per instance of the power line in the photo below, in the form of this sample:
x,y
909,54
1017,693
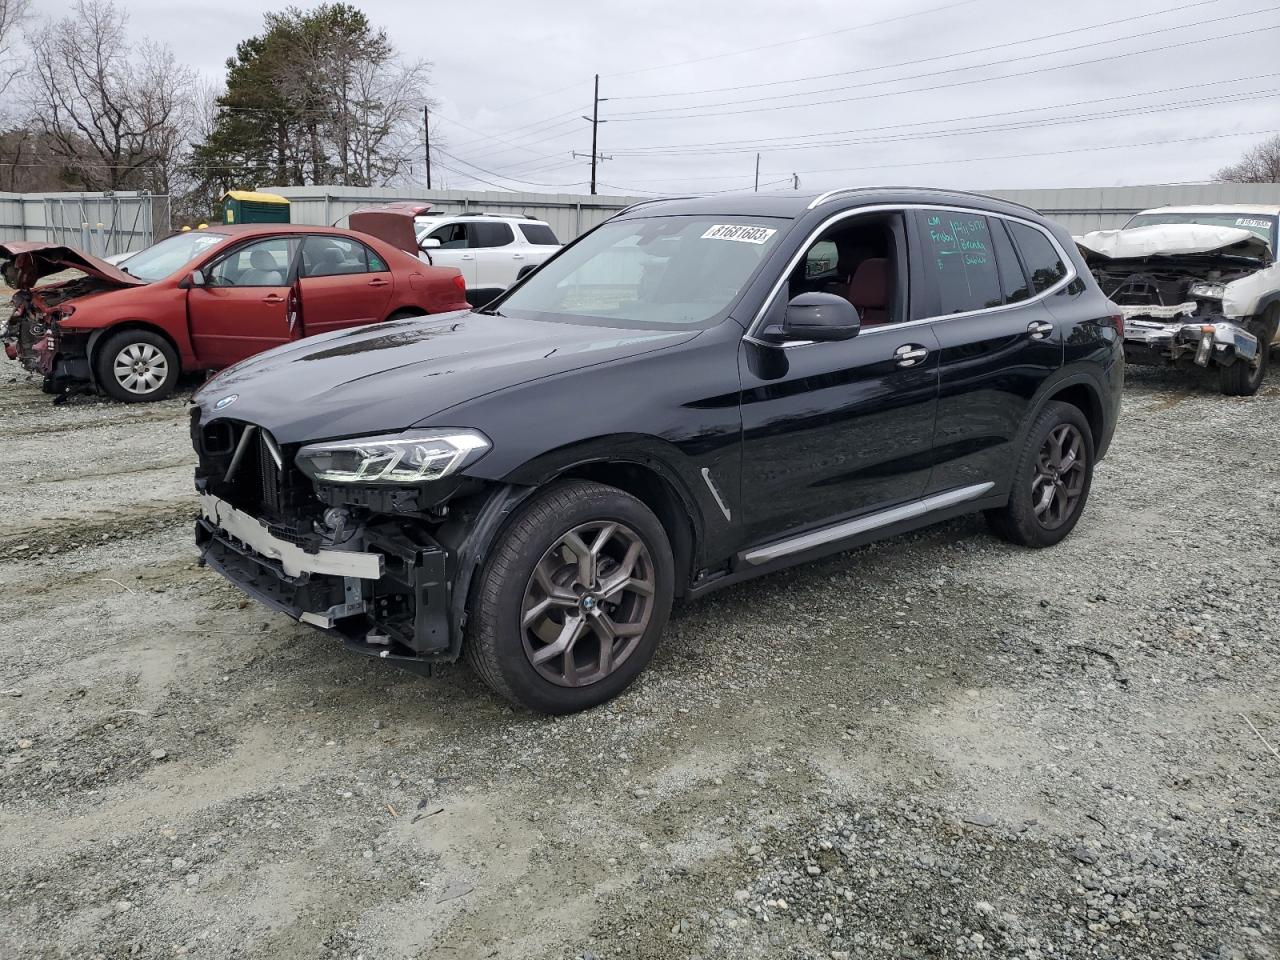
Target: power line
x,y
676,148
503,176
917,62
1143,110
652,114
782,43
1047,153
950,85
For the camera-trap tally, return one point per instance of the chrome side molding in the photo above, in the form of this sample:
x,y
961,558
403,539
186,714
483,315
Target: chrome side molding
x,y
874,521
706,478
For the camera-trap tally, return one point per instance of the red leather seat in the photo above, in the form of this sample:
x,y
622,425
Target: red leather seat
x,y
869,291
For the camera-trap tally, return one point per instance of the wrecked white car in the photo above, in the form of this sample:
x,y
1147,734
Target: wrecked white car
x,y
1197,286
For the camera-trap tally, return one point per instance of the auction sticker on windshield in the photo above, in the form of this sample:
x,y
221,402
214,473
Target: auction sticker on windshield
x,y
739,232
1246,222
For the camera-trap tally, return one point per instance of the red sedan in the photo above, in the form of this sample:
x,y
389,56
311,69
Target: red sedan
x,y
204,300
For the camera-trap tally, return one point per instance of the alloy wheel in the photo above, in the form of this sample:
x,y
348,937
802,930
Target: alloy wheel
x,y
140,368
1058,481
588,603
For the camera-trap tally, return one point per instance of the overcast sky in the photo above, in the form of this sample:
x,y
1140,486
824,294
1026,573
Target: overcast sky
x,y
696,88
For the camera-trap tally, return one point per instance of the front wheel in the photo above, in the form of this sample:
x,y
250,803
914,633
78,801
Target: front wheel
x,y
571,605
135,366
1244,377
1051,479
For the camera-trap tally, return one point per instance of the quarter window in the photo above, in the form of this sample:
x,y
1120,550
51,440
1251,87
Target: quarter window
x,y
539,234
959,257
1041,257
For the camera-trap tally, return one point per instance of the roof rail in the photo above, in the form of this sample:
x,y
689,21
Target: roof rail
x,y
641,203
822,198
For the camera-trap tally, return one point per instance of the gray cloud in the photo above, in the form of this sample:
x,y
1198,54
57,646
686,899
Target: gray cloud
x,y
520,73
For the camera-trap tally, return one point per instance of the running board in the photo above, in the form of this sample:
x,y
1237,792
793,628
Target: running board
x,y
851,528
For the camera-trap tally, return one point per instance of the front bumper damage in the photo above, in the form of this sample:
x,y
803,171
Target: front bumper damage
x,y
1176,335
381,592
33,335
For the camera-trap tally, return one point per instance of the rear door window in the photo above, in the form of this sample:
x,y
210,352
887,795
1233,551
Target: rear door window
x,y
332,256
491,234
1013,280
1043,261
959,261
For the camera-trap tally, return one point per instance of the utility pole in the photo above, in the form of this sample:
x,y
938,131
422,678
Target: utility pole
x,y
595,122
426,136
757,173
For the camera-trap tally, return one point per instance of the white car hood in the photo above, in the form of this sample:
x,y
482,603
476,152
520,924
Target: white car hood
x,y
1172,240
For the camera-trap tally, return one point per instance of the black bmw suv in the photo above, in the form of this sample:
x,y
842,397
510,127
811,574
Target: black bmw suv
x,y
696,392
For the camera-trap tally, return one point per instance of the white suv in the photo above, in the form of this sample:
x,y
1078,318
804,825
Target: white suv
x,y
490,250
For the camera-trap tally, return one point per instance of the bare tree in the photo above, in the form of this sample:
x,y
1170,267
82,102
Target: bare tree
x,y
13,14
384,128
1260,164
116,113
13,64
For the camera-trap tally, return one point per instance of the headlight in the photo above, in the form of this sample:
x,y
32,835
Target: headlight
x,y
1208,291
412,457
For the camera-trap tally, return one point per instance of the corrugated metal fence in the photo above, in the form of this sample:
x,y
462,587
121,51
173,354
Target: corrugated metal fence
x,y
1081,209
100,223
114,223
569,214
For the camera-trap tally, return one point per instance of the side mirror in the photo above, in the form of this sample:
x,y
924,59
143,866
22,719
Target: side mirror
x,y
193,279
524,271
429,243
817,316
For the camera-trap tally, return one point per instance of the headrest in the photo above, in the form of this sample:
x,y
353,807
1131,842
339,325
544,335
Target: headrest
x,y
870,284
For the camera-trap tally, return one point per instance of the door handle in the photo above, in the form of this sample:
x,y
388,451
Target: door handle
x,y
467,256
1039,329
273,298
378,282
517,256
910,354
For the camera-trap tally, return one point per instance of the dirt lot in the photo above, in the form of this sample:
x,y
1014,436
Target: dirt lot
x,y
937,746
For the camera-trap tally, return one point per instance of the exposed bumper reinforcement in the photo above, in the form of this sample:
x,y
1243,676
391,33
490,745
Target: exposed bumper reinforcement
x,y
293,559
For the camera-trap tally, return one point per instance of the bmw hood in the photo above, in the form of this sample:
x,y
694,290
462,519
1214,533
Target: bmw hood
x,y
388,376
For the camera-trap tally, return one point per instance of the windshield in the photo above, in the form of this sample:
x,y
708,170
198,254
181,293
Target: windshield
x,y
1257,223
659,271
170,255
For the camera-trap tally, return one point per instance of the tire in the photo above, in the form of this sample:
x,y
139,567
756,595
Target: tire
x,y
136,366
1243,379
1029,519
405,314
534,577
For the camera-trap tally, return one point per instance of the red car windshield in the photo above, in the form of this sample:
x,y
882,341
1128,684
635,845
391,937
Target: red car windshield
x,y
170,255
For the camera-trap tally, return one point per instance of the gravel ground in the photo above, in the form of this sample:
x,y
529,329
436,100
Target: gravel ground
x,y
939,746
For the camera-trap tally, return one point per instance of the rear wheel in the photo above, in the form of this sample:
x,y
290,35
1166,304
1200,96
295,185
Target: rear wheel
x,y
1051,479
573,601
135,366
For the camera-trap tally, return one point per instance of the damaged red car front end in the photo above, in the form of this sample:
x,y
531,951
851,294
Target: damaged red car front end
x,y
33,333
